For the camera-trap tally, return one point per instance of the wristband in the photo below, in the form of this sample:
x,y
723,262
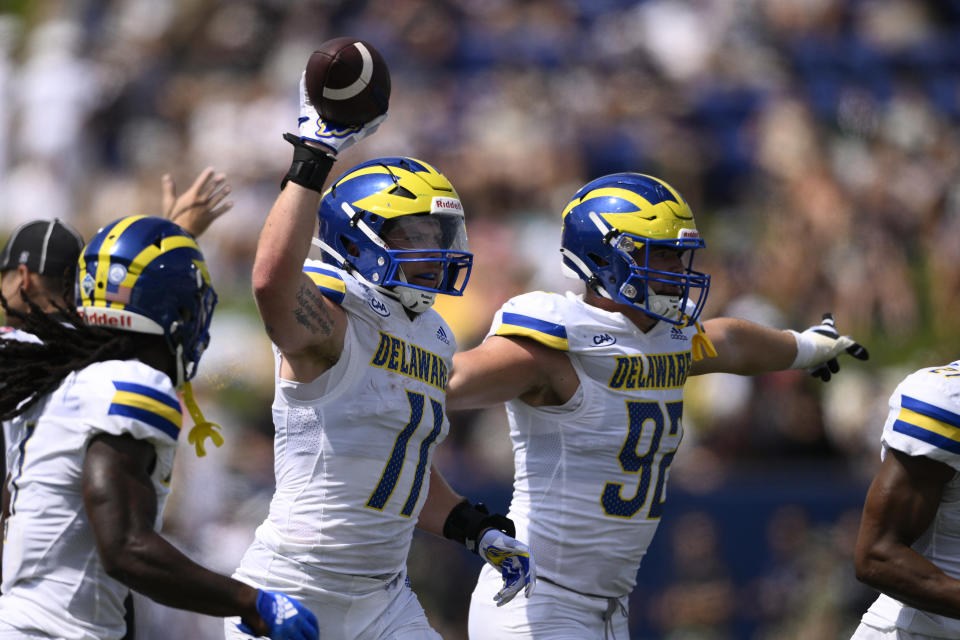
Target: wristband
x,y
466,524
805,350
813,348
310,166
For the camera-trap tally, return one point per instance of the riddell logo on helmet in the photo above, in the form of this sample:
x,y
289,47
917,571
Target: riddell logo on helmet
x,y
105,320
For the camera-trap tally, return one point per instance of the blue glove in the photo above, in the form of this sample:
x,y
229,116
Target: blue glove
x,y
819,346
512,558
286,618
312,127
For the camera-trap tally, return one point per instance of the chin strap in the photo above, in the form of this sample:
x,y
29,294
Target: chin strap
x,y
201,429
416,300
663,305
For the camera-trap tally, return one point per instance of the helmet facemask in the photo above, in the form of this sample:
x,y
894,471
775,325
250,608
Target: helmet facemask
x,y
189,337
640,281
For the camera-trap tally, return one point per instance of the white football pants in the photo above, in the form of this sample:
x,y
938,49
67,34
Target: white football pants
x,y
551,613
347,607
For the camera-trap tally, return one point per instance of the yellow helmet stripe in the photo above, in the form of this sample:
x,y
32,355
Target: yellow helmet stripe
x,y
398,172
103,256
202,266
151,253
366,171
624,194
630,196
395,170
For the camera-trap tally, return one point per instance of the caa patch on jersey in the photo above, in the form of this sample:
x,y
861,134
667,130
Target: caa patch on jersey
x,y
924,418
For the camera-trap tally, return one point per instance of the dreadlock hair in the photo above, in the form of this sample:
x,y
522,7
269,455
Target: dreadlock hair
x,y
30,370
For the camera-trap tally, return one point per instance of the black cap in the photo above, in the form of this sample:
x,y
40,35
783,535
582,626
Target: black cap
x,y
47,247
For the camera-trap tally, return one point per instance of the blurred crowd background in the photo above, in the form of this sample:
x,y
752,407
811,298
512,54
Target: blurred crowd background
x,y
816,141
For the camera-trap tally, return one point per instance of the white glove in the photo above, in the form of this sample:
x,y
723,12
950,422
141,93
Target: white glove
x,y
512,558
312,127
819,346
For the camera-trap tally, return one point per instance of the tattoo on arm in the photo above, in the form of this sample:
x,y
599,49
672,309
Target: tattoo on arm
x,y
312,313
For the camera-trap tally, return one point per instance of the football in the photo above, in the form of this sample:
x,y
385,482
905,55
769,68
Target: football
x,y
348,81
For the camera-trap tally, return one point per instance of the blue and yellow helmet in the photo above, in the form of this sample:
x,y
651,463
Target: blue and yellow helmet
x,y
147,275
387,213
609,229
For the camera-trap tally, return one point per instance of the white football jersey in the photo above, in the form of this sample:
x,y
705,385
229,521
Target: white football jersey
x,y
9,333
53,579
353,447
591,475
924,420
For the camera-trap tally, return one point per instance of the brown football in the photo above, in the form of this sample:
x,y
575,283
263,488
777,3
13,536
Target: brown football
x,y
348,81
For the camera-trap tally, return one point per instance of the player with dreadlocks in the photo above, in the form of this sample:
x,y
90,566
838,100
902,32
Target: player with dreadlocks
x,y
39,263
85,498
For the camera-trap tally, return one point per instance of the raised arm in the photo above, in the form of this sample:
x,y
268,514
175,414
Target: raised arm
x,y
121,504
307,327
503,368
901,504
201,204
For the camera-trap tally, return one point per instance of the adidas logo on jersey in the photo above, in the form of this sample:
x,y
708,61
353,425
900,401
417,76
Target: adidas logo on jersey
x,y
677,334
442,336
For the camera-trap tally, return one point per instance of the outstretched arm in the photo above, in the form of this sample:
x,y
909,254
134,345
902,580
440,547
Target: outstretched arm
x,y
747,348
901,504
504,368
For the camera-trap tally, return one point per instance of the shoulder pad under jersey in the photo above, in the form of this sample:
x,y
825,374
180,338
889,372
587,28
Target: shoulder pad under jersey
x,y
128,397
538,315
924,417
